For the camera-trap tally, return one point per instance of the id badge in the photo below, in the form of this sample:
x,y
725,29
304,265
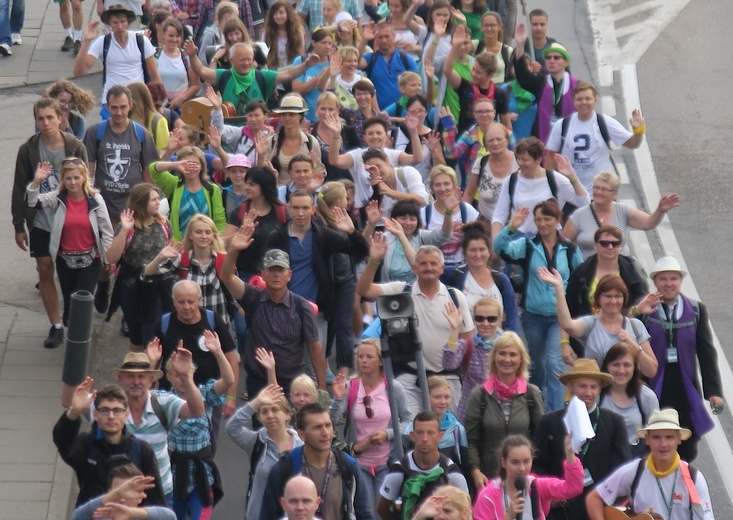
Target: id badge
x,y
672,355
587,478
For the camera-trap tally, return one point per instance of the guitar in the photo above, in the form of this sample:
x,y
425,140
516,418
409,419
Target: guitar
x,y
614,513
197,112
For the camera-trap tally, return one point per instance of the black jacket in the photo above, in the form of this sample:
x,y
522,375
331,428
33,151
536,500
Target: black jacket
x,y
582,277
326,242
76,448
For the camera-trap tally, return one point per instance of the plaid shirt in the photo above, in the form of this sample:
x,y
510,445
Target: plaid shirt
x,y
190,7
313,10
213,294
192,435
208,11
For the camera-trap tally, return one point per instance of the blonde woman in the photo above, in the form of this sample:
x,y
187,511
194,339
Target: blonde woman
x,y
447,503
327,105
144,112
365,403
81,230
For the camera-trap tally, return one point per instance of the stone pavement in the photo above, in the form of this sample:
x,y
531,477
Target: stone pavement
x,y
39,59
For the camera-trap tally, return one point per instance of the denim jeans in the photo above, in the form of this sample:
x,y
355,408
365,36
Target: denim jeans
x,y
17,16
5,22
543,344
375,476
192,507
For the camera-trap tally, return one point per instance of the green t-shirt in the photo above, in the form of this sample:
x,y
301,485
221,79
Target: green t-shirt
x,y
253,92
452,101
474,23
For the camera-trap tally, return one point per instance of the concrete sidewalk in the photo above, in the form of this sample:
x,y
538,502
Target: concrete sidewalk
x,y
39,59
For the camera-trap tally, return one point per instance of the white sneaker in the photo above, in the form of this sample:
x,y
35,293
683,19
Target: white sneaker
x,y
5,49
17,40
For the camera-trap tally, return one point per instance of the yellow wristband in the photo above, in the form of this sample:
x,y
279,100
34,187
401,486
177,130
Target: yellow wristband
x,y
448,212
435,42
374,262
564,341
231,397
451,343
634,311
574,181
640,130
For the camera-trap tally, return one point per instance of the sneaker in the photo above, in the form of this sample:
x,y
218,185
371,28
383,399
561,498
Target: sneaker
x,y
55,337
77,47
330,378
124,328
16,39
101,297
5,49
68,44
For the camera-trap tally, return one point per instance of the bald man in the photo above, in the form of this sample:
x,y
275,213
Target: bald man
x,y
300,500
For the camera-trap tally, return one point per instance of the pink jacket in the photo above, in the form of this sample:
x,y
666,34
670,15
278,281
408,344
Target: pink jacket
x,y
490,501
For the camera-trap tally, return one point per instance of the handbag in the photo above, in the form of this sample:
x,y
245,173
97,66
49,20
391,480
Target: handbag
x,y
79,259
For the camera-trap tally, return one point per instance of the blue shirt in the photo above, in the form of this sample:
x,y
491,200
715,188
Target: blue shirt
x,y
311,98
384,76
304,281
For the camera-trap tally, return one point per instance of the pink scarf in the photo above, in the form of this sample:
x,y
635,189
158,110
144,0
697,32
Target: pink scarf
x,y
504,391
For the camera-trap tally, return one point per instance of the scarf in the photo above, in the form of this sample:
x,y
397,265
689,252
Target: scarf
x,y
659,474
523,97
477,94
402,102
242,83
448,421
504,391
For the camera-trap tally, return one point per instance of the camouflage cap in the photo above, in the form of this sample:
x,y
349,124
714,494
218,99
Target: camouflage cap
x,y
276,258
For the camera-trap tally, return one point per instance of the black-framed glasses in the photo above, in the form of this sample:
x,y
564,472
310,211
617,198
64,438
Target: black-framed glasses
x,y
368,406
480,319
609,243
117,412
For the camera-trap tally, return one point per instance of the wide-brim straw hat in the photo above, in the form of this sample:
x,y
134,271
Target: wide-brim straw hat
x,y
291,104
584,368
137,362
665,419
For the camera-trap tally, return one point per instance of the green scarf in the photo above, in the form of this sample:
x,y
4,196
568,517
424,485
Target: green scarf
x,y
523,97
402,102
242,83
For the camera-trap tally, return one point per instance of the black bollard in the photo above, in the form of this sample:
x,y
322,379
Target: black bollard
x,y
78,338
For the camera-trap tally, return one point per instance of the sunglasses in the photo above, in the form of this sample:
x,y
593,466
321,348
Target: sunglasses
x,y
609,243
480,319
72,160
368,406
552,57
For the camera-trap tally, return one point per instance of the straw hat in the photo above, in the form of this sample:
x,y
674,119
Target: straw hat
x,y
137,362
664,419
117,9
292,104
584,368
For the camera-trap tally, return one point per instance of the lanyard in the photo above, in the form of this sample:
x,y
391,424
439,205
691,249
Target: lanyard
x,y
671,494
507,502
587,443
668,323
324,490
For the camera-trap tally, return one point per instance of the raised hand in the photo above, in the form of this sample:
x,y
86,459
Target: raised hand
x,y
518,218
552,277
459,34
445,112
412,123
132,490
171,250
452,201
265,358
440,27
373,213
242,239
668,202
126,219
433,140
564,166
369,31
520,35
91,31
375,176
340,387
431,507
262,143
458,15
267,396
335,64
332,122
190,49
174,141
637,119
154,350
214,96
43,170
649,303
378,247
83,396
182,361
393,226
343,221
453,315
214,137
311,60
211,341
429,67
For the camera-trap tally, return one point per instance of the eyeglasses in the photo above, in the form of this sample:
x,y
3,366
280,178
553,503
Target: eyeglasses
x,y
609,243
417,111
368,406
480,319
552,57
63,102
603,190
117,412
484,112
72,160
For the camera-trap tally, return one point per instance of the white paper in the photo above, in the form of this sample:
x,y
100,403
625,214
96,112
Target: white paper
x,y
577,422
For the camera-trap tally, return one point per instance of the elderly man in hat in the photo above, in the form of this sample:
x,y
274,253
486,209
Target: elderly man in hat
x,y
154,414
553,89
682,339
109,443
600,455
661,483
126,57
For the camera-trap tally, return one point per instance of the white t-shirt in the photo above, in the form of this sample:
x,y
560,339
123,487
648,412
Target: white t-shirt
x,y
124,66
530,192
474,292
452,249
597,341
362,180
489,187
584,145
648,494
392,487
434,327
173,73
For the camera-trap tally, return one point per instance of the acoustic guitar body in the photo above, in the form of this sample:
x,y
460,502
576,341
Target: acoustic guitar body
x,y
197,112
614,513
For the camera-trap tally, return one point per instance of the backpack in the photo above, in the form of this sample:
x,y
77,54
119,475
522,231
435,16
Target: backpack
x,y
602,127
513,183
140,39
429,213
259,78
257,450
95,467
139,130
373,62
691,470
351,401
165,322
417,486
184,265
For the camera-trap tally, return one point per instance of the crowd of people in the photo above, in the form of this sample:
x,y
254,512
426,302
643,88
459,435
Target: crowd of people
x,y
359,152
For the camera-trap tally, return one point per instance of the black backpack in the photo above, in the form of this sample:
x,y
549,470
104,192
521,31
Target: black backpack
x,y
140,39
373,62
418,485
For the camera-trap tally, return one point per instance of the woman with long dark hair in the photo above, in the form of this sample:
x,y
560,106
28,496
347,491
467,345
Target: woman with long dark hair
x,y
284,35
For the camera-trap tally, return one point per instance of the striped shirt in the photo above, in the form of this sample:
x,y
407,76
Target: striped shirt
x,y
153,432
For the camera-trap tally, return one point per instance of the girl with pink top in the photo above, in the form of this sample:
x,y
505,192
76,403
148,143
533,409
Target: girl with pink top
x,y
500,499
